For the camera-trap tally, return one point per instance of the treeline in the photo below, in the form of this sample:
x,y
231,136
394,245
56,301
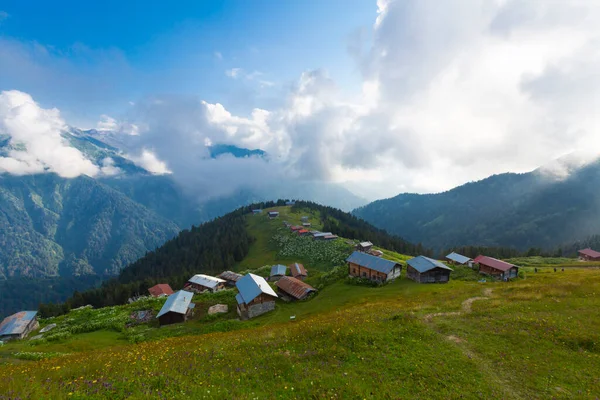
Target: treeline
x,y
350,227
210,248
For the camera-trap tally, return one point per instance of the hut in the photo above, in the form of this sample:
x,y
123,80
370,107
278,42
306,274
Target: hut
x,y
364,246
589,255
427,270
176,309
160,290
277,271
378,269
328,237
200,283
255,296
320,235
376,253
273,214
306,224
295,228
458,259
304,218
294,289
302,232
298,271
257,211
18,325
229,277
497,268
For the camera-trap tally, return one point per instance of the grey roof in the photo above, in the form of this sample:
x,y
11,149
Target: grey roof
x,y
278,270
372,262
424,264
365,244
206,280
16,324
459,258
178,303
251,286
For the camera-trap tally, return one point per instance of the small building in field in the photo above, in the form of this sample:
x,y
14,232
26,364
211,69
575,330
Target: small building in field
x,y
294,289
201,283
304,218
427,270
257,211
176,309
376,253
290,203
273,214
328,237
306,224
303,232
229,277
18,325
160,290
497,268
589,255
295,228
298,271
377,269
321,235
255,296
277,271
364,246
459,259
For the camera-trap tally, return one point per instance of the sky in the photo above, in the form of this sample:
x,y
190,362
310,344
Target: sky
x,y
382,97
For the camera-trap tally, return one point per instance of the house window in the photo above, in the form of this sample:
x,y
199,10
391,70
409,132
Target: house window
x,y
364,274
354,270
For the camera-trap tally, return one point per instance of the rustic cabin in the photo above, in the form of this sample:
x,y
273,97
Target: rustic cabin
x,y
458,259
589,255
321,235
255,296
257,211
304,218
328,237
303,232
273,214
306,224
298,271
201,283
277,271
160,290
295,228
496,268
376,253
18,325
229,277
290,288
427,270
364,246
176,309
378,269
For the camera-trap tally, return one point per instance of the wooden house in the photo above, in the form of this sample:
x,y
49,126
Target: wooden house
x,y
18,325
364,246
589,255
298,271
176,309
458,259
306,224
273,214
302,232
160,290
255,296
229,277
257,211
376,253
496,268
328,237
277,271
320,235
291,288
427,270
201,283
378,269
295,228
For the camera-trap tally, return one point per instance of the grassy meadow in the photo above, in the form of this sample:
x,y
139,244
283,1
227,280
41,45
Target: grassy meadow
x,y
532,338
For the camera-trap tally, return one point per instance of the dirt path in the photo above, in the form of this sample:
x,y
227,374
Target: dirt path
x,y
465,306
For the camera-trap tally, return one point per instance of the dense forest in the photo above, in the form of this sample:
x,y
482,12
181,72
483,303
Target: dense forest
x,y
349,226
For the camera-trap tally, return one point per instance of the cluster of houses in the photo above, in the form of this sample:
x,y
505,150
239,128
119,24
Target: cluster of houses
x,y
303,230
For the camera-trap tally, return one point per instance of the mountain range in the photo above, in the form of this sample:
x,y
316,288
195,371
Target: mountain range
x,y
546,208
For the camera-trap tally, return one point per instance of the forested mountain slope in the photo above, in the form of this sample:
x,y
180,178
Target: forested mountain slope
x,y
535,209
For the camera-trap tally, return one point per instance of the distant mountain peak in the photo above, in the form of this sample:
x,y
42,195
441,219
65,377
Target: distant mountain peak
x,y
217,150
564,166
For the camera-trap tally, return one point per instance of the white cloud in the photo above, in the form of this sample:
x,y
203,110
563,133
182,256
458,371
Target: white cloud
x,y
148,160
234,72
108,167
110,124
36,141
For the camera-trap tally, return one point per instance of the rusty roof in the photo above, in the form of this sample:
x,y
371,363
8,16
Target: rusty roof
x,y
295,287
230,276
162,289
590,253
298,270
493,263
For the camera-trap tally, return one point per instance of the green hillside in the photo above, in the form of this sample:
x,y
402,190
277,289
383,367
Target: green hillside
x,y
531,338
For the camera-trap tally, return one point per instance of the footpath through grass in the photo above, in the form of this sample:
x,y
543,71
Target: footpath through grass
x,y
535,338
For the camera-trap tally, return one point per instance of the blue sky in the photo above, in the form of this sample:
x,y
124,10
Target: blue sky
x,y
120,51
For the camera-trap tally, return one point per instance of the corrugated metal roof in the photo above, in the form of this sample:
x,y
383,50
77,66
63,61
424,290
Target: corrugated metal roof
x,y
294,287
319,234
162,289
178,303
273,212
329,237
493,263
372,262
16,323
251,286
239,298
206,280
230,276
459,258
298,270
365,244
278,270
424,264
590,253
